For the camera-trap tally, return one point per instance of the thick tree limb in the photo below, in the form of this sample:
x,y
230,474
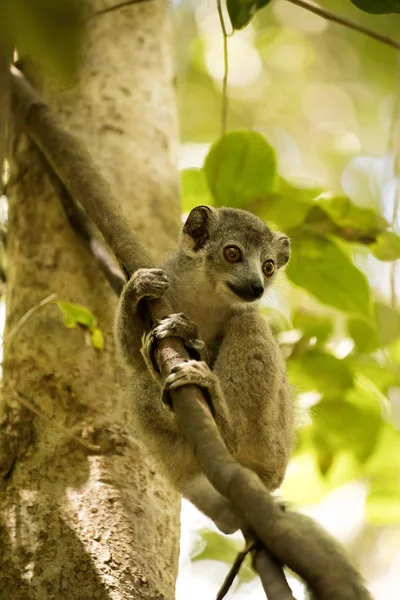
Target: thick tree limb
x,y
293,539
82,225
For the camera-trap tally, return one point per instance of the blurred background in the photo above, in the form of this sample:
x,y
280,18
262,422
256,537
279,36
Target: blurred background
x,y
313,147
315,151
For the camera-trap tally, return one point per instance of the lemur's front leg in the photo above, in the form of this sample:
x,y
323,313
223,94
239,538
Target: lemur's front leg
x,y
195,372
144,283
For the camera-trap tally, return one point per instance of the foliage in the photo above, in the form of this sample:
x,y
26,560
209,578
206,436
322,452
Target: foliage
x,y
213,546
48,31
241,11
75,315
380,7
326,232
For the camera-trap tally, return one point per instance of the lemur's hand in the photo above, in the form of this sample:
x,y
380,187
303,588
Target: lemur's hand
x,y
175,325
146,283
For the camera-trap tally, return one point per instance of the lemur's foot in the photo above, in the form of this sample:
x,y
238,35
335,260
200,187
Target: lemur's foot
x,y
179,325
147,283
190,372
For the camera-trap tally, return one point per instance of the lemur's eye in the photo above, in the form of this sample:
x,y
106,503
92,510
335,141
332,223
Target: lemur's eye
x,y
268,267
232,254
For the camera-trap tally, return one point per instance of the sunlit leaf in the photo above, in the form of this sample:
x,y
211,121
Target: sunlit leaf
x,y
387,323
282,210
364,334
339,424
386,247
75,315
240,166
320,371
195,190
49,31
320,267
348,215
97,338
378,7
276,319
313,325
383,470
242,11
214,546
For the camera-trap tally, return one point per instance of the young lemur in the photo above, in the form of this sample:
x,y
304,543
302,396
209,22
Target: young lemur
x,y
225,261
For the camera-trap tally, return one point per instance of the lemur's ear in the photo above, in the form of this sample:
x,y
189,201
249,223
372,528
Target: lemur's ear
x,y
196,230
283,249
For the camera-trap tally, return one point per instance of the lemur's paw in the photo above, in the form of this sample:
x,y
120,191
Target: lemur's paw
x,y
179,325
147,283
189,372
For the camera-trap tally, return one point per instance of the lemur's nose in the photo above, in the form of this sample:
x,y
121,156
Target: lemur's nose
x,y
257,289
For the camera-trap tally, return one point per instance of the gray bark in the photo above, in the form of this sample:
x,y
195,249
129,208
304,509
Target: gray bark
x,y
76,523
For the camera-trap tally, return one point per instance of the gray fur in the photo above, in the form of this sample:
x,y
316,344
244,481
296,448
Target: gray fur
x,y
245,377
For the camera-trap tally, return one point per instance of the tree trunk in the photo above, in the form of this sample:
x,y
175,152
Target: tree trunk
x,y
76,523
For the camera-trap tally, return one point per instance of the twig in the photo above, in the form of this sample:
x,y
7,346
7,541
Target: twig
x,y
109,9
329,16
235,568
293,539
25,317
55,425
224,107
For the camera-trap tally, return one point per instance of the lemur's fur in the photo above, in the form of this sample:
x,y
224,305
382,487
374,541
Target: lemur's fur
x,y
244,375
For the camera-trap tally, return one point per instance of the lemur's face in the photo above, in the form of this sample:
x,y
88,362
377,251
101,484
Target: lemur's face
x,y
240,255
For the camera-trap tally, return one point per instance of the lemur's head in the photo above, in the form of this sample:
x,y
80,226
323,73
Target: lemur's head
x,y
235,249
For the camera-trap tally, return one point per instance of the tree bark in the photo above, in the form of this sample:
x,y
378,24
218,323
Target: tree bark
x,y
78,523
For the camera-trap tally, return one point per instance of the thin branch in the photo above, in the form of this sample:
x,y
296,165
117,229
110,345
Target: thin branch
x,y
109,9
25,317
329,16
55,425
224,107
292,538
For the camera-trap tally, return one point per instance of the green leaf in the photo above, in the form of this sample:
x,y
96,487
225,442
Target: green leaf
x,y
239,167
313,325
97,339
320,267
195,190
242,11
285,211
340,425
349,216
49,31
378,7
364,334
320,371
369,335
387,246
214,546
387,323
383,469
75,315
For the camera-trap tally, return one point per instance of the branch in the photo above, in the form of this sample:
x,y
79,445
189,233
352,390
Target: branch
x,y
293,539
113,7
329,16
83,227
224,107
